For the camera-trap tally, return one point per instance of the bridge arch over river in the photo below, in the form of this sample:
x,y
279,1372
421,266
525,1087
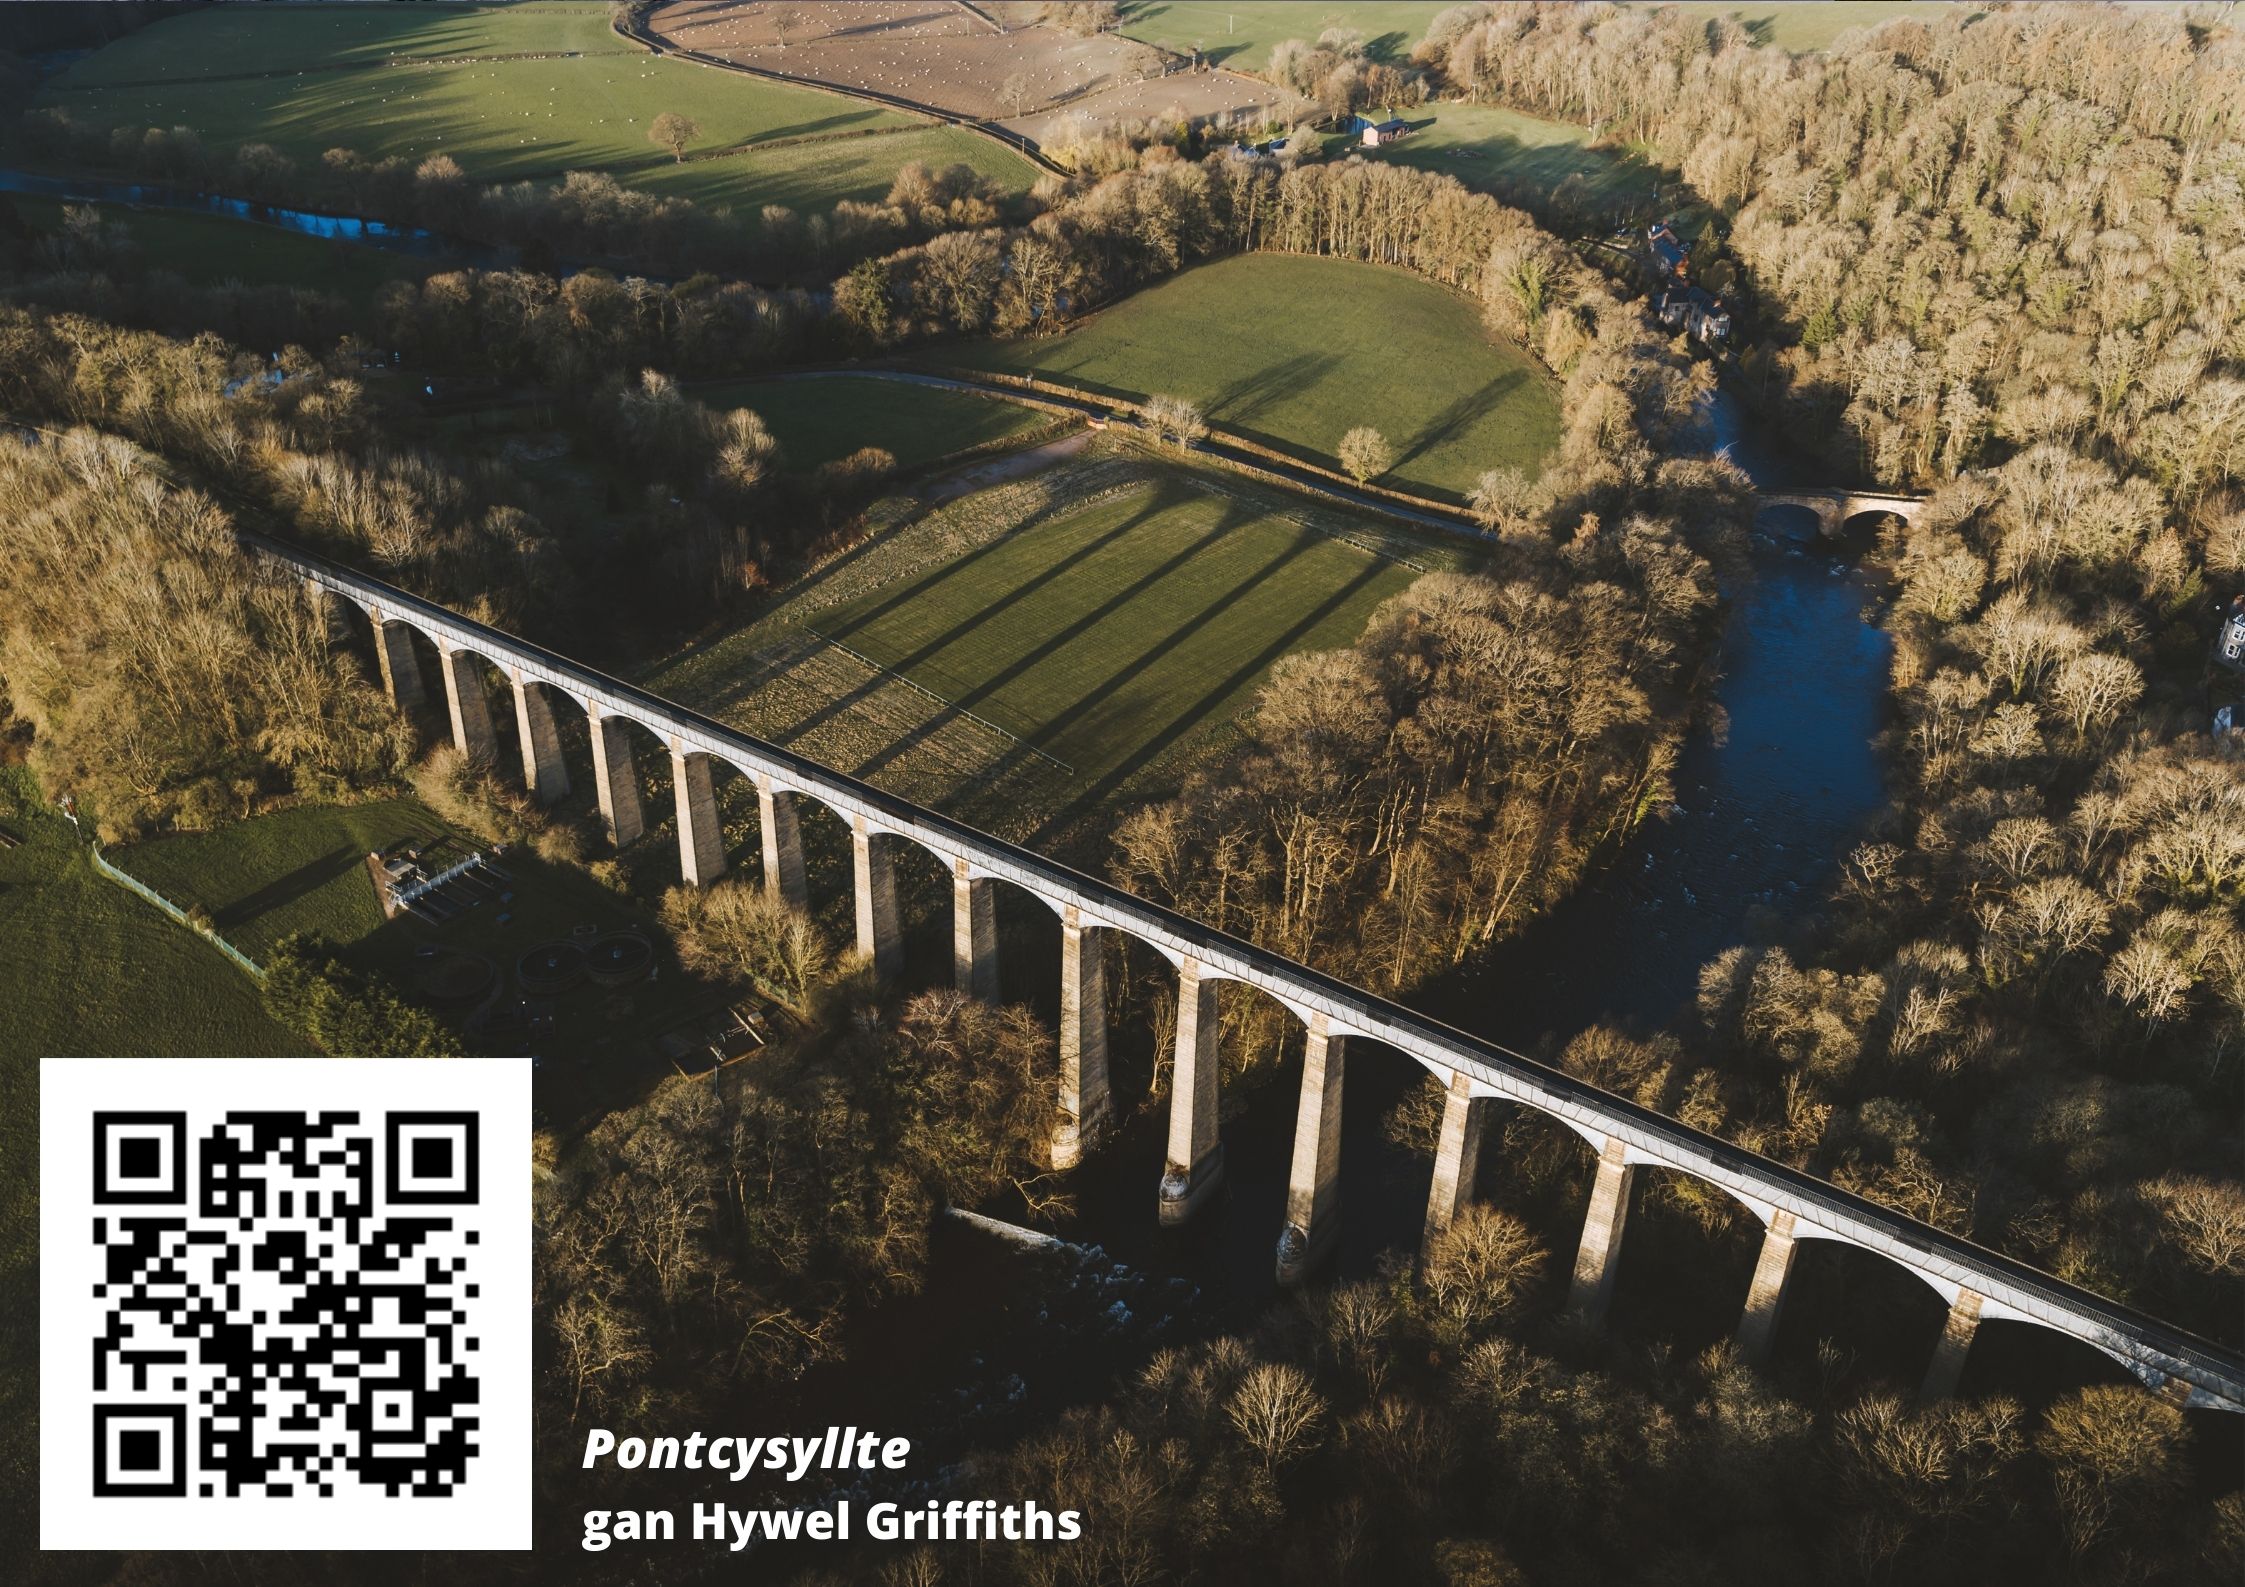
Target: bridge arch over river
x,y
1836,506
1975,1284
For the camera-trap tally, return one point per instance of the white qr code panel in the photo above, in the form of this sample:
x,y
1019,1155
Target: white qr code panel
x,y
284,1303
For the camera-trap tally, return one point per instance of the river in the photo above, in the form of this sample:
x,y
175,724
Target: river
x,y
1007,1335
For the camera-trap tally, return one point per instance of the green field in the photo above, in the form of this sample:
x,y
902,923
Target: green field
x,y
205,250
1103,636
1522,159
819,420
309,79
1241,36
294,870
88,969
1802,28
1295,352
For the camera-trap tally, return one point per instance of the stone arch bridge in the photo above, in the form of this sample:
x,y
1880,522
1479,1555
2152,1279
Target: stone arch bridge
x,y
1975,1284
1836,506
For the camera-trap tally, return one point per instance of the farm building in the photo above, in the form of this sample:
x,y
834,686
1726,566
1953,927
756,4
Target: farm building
x,y
1375,134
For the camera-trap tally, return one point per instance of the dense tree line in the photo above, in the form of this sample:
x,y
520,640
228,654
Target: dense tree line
x,y
715,1237
581,215
1999,261
1391,1432
166,681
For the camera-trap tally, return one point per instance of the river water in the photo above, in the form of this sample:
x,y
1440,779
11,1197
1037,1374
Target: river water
x,y
1769,794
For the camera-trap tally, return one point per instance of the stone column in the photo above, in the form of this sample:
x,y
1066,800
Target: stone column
x,y
1765,1297
783,846
1947,1367
1457,1162
1598,1258
878,936
1083,1041
1195,1165
974,933
616,779
468,705
544,772
701,836
323,609
401,669
1313,1185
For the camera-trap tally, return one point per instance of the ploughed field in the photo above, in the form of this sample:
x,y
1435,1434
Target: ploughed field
x,y
1295,352
952,59
509,92
1056,645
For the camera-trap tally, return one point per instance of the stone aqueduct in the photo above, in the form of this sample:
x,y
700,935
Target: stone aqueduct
x,y
1976,1284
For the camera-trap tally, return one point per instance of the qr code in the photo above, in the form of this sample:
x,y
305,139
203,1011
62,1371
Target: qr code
x,y
284,1303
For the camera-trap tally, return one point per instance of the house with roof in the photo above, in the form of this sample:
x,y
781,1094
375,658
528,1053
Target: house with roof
x,y
1372,134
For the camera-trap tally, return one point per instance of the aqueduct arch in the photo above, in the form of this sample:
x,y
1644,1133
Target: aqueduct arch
x,y
1793,1206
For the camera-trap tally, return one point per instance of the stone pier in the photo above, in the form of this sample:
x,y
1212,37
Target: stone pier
x,y
974,933
324,611
701,836
401,669
783,845
1946,1369
1195,1165
1083,1041
1598,1258
1313,1184
1457,1161
616,779
1765,1297
544,772
469,706
879,936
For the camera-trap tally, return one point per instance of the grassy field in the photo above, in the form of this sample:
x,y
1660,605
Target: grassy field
x,y
91,970
1114,611
1102,636
1295,352
1241,36
819,420
1522,159
294,870
207,249
1802,28
308,79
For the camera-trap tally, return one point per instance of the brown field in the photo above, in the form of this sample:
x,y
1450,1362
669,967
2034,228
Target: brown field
x,y
942,55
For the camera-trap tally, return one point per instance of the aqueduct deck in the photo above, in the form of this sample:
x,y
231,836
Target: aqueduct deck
x,y
1977,1284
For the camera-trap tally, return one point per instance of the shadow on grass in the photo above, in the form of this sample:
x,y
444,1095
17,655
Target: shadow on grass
x,y
1200,710
974,697
1461,416
844,632
309,877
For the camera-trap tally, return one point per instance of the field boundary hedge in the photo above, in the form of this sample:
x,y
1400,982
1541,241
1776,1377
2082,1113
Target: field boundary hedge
x,y
1231,438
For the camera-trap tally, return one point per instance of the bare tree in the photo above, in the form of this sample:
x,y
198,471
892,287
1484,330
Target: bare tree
x,y
1366,454
674,132
1277,1411
1175,420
